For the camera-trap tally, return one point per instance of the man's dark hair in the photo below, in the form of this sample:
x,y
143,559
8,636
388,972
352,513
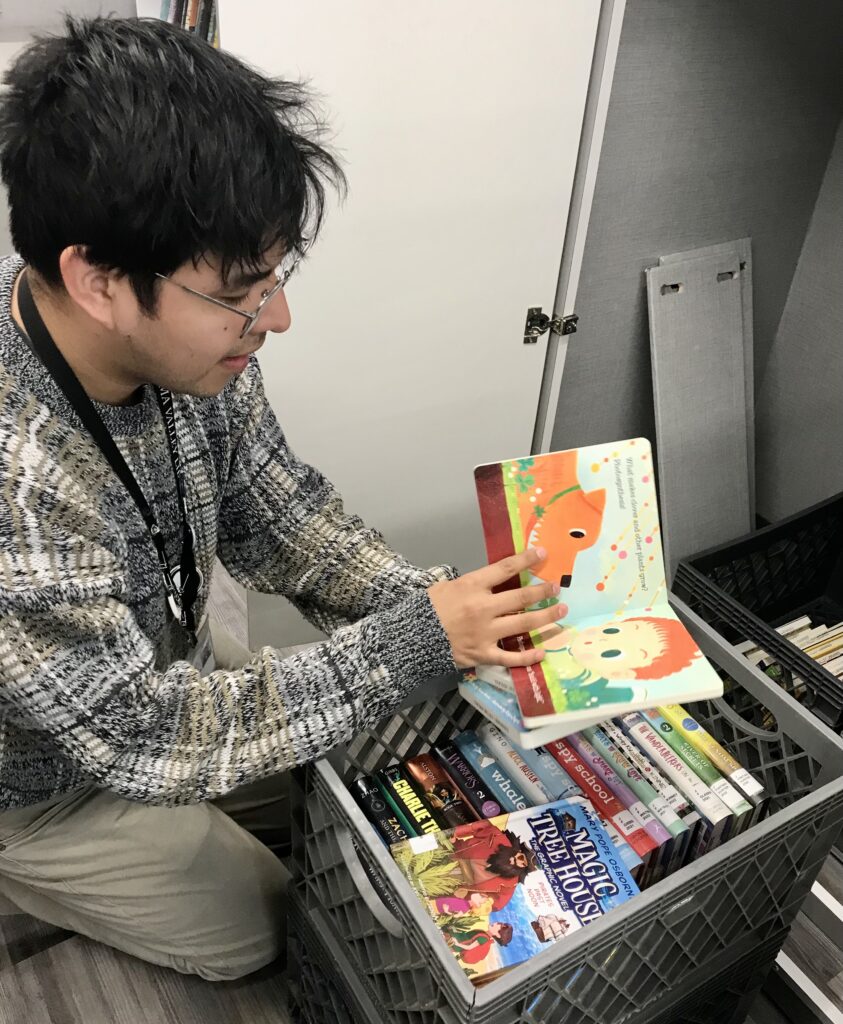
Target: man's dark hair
x,y
148,147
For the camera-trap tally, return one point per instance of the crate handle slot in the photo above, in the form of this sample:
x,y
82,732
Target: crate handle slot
x,y
768,735
367,891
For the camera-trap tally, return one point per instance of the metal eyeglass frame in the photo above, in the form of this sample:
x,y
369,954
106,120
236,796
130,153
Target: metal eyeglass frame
x,y
282,277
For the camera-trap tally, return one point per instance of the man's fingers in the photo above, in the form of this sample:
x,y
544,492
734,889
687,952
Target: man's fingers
x,y
512,659
500,572
512,625
509,601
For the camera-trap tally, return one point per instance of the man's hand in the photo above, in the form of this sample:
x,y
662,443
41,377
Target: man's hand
x,y
474,618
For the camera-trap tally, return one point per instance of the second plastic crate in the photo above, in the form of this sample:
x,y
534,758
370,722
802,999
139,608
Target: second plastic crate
x,y
641,960
747,588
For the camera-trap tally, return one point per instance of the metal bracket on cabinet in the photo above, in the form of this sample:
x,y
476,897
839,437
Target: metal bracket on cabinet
x,y
538,323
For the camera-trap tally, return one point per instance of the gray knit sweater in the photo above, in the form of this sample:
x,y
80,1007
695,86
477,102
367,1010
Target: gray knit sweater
x,y
93,685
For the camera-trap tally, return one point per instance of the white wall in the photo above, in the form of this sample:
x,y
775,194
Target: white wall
x,y
9,48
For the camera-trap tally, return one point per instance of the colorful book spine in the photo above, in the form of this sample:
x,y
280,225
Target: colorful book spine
x,y
554,779
468,782
502,710
498,707
500,747
608,804
675,800
497,676
662,785
639,810
380,813
715,814
397,808
660,809
395,781
442,796
503,785
694,733
741,808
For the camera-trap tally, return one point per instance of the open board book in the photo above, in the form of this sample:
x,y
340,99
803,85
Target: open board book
x,y
617,645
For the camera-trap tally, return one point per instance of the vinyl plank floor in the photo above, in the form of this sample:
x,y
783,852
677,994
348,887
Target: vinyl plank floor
x,y
21,936
831,876
819,958
83,982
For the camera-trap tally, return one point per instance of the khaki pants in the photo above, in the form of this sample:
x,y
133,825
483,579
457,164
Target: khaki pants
x,y
188,887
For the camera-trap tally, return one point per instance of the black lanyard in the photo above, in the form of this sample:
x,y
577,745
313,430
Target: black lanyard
x,y
182,582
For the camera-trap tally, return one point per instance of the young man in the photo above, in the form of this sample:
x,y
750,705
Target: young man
x,y
161,193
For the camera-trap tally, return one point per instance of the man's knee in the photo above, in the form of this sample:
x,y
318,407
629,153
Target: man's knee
x,y
232,966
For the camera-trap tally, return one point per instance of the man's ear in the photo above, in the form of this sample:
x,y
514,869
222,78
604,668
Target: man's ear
x,y
92,288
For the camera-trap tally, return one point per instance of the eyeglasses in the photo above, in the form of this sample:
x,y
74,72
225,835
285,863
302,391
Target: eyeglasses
x,y
282,276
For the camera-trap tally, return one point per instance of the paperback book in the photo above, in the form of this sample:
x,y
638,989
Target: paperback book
x,y
617,646
501,890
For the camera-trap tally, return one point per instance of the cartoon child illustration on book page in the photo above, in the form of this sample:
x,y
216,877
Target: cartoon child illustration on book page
x,y
595,664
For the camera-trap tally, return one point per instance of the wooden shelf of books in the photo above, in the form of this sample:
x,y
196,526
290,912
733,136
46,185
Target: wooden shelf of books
x,y
600,837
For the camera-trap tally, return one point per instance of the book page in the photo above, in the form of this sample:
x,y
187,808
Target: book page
x,y
594,510
611,663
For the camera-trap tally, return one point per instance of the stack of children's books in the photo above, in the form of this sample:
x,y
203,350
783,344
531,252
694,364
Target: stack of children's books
x,y
617,646
511,848
823,643
587,780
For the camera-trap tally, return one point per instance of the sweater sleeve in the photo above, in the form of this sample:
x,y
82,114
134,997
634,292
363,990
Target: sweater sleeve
x,y
79,675
283,529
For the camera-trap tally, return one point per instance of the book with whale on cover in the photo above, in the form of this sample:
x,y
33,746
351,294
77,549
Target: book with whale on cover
x,y
617,645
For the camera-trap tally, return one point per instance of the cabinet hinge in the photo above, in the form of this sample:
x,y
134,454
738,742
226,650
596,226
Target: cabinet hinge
x,y
538,323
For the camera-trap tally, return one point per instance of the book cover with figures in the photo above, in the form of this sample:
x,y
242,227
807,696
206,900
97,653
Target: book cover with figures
x,y
395,783
501,890
501,782
467,781
442,796
617,646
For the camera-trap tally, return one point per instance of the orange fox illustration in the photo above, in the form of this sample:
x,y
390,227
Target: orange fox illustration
x,y
564,519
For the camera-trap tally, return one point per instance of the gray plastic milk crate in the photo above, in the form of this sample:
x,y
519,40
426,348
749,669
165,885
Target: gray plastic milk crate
x,y
693,948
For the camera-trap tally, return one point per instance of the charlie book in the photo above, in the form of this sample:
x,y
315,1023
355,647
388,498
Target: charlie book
x,y
617,646
501,890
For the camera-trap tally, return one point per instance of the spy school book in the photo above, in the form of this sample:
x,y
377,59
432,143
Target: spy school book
x,y
500,891
617,645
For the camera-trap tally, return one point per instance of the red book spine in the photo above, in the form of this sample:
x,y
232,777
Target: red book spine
x,y
603,798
